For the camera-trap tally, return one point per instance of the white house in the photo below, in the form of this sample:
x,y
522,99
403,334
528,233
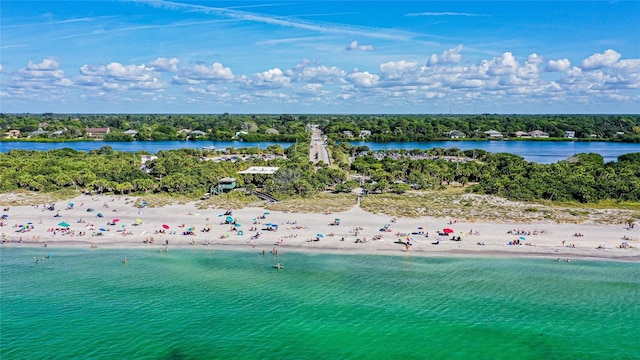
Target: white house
x,y
569,134
493,134
365,133
455,134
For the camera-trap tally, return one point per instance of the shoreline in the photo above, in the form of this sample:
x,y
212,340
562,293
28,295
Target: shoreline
x,y
183,226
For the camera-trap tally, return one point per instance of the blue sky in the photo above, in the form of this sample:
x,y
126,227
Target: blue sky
x,y
317,57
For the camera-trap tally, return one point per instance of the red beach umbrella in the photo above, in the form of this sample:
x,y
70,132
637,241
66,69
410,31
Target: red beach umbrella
x,y
116,220
448,230
165,226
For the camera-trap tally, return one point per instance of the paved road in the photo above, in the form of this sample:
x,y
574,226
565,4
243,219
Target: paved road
x,y
318,151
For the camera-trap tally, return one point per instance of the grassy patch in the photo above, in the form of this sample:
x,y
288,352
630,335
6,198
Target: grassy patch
x,y
232,200
318,204
473,207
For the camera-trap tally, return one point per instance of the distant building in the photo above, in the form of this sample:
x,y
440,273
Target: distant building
x,y
620,133
365,134
521,134
272,131
12,134
455,134
238,133
97,133
539,134
133,133
39,132
145,158
569,134
197,133
493,134
348,134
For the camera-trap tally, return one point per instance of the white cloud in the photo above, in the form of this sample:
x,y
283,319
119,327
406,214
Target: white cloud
x,y
164,64
398,84
505,64
364,79
45,65
558,65
450,56
201,73
597,61
48,69
307,71
354,46
129,72
405,71
1,68
534,59
270,79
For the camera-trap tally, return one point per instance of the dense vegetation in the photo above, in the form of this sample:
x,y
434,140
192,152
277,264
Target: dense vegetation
x,y
436,127
289,128
584,178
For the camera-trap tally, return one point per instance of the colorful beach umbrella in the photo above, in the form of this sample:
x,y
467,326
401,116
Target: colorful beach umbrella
x,y
266,213
165,226
102,229
320,235
237,225
139,221
63,224
116,220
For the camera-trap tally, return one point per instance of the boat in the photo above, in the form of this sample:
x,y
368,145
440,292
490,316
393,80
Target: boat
x,y
208,148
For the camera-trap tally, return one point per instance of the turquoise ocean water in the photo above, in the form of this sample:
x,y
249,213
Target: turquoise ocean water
x,y
202,304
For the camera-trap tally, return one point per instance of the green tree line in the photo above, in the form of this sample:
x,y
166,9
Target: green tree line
x,y
291,128
584,178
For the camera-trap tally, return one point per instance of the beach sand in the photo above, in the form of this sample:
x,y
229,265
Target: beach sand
x,y
358,232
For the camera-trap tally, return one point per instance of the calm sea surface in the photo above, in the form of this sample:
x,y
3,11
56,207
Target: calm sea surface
x,y
537,151
203,304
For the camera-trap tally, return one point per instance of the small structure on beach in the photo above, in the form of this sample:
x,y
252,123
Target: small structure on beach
x,y
225,184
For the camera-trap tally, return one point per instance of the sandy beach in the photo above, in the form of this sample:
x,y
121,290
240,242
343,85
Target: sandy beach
x,y
96,222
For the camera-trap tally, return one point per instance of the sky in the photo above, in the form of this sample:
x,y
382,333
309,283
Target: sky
x,y
320,57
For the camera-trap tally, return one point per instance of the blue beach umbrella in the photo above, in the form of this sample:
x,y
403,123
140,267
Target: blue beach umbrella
x,y
63,224
320,235
102,229
237,225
